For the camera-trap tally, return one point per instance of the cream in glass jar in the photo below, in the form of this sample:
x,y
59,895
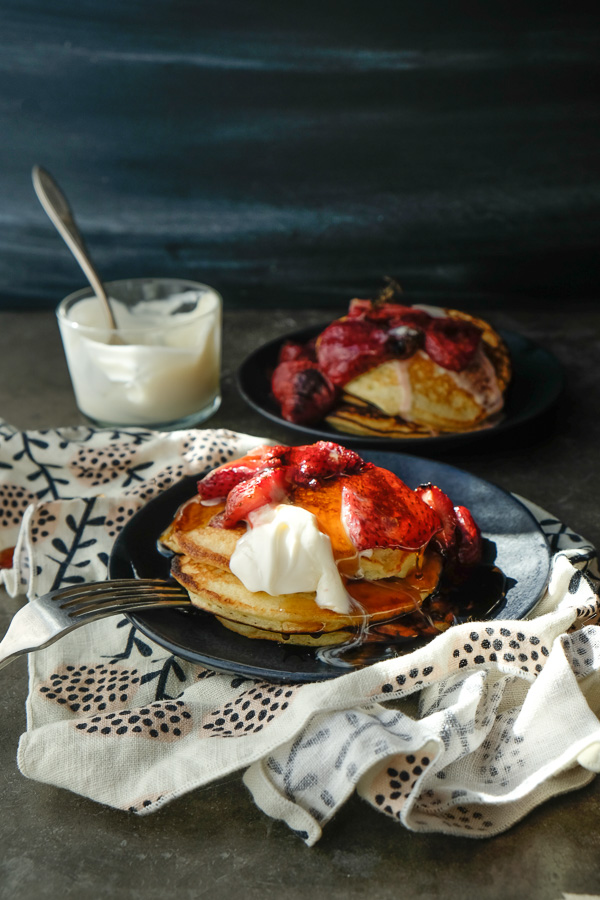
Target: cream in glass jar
x,y
163,370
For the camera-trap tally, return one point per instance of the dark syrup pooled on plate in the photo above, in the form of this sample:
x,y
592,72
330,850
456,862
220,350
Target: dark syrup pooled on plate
x,y
470,594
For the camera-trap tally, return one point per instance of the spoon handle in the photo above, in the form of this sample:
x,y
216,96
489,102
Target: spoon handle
x,y
55,203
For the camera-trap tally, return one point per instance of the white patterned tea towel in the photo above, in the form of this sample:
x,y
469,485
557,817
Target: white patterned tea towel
x,y
464,736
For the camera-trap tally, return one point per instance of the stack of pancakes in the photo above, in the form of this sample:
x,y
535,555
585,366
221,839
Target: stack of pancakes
x,y
385,584
440,402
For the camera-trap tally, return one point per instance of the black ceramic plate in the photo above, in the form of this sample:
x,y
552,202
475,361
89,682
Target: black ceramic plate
x,y
535,386
513,537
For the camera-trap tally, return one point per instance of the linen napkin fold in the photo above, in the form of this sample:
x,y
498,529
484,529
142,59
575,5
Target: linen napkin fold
x,y
464,736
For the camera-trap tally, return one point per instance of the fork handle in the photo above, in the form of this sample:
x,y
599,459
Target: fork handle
x,y
31,629
28,631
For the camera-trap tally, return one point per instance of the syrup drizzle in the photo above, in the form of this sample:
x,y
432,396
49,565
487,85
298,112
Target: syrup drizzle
x,y
467,595
391,618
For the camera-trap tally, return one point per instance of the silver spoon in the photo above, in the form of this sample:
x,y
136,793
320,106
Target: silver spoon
x,y
56,205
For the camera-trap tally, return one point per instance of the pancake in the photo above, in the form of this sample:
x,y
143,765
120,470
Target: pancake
x,y
191,535
218,591
314,545
326,639
393,581
417,398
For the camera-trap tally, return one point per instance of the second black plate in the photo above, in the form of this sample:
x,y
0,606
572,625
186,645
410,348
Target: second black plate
x,y
536,384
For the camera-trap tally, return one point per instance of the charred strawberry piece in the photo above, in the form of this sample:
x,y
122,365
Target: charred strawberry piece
x,y
379,510
268,486
393,314
349,347
404,341
291,350
303,392
220,481
412,318
470,545
359,307
316,462
437,500
452,343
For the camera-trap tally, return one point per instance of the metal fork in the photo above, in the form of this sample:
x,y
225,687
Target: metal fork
x,y
43,621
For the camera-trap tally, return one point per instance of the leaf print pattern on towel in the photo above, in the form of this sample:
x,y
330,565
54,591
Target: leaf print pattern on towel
x,y
96,466
71,566
48,474
167,721
321,767
107,703
393,786
250,711
91,688
147,803
14,500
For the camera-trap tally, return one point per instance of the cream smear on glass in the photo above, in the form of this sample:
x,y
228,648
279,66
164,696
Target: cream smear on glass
x,y
166,368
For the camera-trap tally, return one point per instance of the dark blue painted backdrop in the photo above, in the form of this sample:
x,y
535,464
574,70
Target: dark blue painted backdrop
x,y
300,151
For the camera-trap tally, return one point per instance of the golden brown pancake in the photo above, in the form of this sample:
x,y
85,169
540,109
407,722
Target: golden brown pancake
x,y
326,639
440,401
191,534
394,581
219,591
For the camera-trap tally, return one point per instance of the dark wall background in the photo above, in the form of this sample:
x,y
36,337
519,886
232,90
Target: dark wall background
x,y
299,152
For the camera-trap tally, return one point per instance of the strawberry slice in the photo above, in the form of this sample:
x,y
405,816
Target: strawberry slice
x,y
291,350
349,347
303,392
303,464
393,314
268,486
322,460
376,311
452,343
220,481
359,308
435,498
470,544
413,318
380,510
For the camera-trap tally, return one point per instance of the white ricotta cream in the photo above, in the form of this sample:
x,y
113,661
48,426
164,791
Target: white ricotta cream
x,y
284,552
479,380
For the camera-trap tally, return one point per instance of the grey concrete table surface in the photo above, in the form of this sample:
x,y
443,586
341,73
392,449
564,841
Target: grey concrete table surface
x,y
214,842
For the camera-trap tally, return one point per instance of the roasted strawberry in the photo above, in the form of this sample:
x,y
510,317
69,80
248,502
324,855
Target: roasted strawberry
x,y
392,314
359,307
322,460
220,481
268,486
405,340
349,347
304,394
291,350
380,510
435,498
413,318
452,343
470,545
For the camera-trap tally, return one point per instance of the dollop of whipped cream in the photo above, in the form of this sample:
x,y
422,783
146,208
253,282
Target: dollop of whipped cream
x,y
285,552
